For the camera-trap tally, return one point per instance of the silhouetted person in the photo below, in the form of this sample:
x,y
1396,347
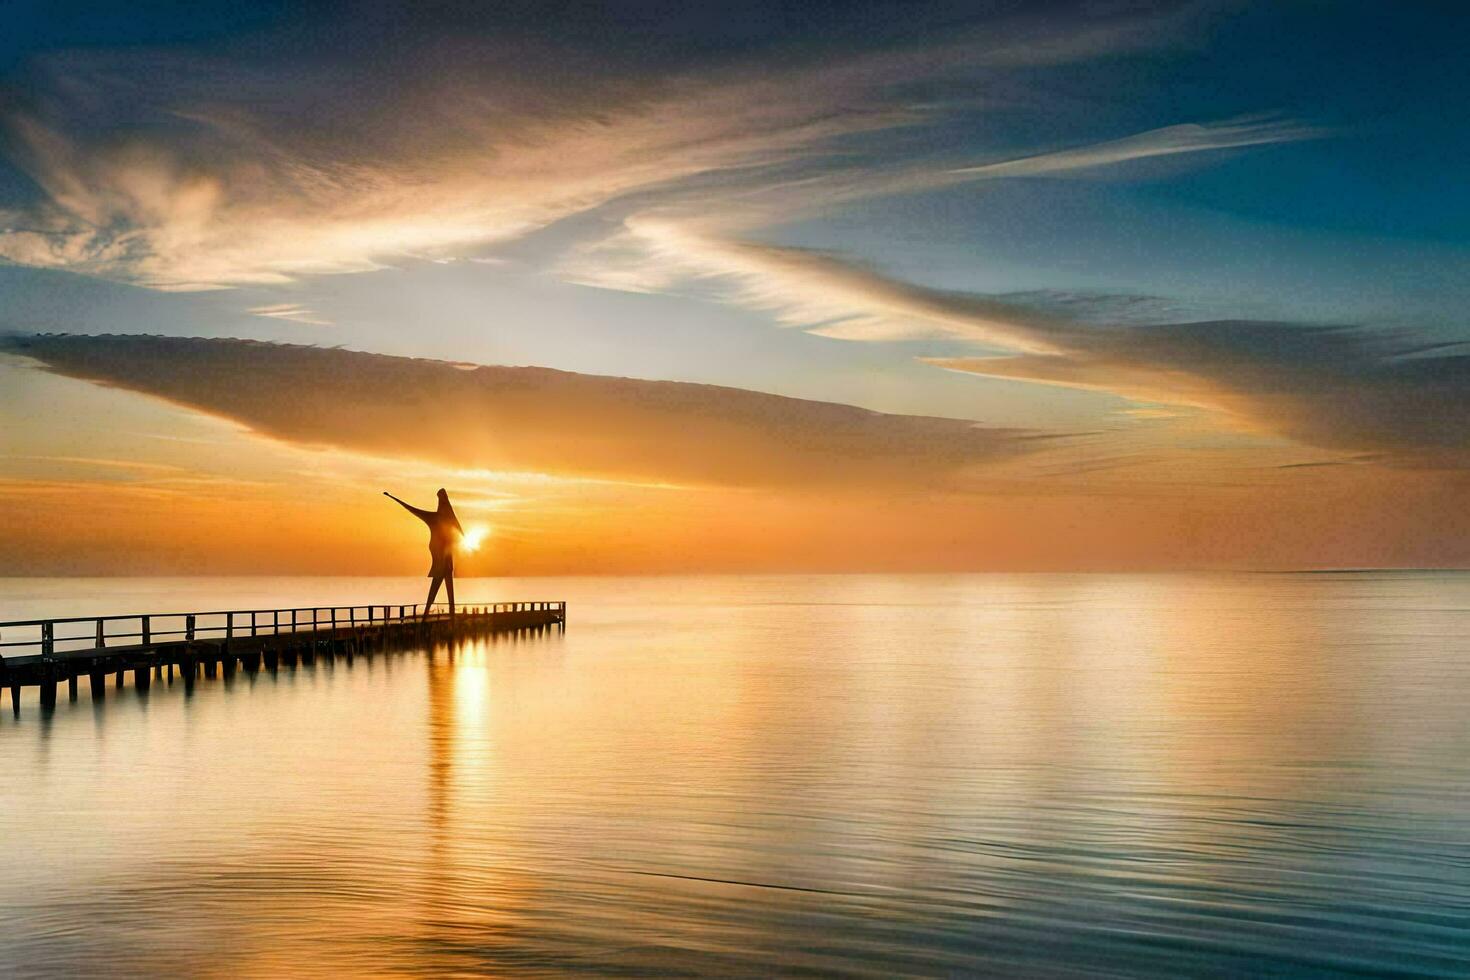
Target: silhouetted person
x,y
444,534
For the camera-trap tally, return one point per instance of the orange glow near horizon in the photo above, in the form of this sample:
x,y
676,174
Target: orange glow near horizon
x,y
159,489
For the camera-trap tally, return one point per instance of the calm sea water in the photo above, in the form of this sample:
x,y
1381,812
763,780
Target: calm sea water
x,y
877,776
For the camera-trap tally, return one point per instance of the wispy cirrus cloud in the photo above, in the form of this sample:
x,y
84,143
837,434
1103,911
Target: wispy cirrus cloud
x,y
823,293
1342,388
693,236
294,312
1349,389
205,170
236,196
1168,141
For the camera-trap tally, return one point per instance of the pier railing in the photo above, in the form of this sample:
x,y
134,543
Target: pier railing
x,y
49,637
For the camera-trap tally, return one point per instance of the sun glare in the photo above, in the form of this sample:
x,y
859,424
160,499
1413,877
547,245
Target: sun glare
x,y
474,536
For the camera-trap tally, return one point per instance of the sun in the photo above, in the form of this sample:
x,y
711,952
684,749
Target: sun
x,y
474,536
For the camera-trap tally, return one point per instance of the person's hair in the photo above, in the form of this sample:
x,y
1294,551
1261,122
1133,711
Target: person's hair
x,y
443,492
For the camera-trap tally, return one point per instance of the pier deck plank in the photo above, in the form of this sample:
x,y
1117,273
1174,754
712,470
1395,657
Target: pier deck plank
x,y
29,654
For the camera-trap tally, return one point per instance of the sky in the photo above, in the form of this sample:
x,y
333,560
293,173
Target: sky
x,y
661,287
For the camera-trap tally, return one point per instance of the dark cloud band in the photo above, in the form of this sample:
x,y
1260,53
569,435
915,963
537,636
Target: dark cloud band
x,y
532,419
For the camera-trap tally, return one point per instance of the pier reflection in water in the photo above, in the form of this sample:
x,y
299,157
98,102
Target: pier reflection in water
x,y
863,775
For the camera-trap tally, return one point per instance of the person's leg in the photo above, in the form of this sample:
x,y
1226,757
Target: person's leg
x,y
433,591
449,586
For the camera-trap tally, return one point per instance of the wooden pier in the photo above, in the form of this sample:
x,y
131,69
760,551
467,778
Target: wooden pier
x,y
47,653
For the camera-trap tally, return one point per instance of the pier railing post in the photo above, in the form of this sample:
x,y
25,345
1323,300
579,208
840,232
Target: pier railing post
x,y
101,637
48,639
189,628
229,626
147,630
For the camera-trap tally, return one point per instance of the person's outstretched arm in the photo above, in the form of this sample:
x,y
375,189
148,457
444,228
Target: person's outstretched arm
x,y
424,515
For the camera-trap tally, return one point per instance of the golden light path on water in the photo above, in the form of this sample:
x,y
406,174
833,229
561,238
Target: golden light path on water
x,y
756,775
